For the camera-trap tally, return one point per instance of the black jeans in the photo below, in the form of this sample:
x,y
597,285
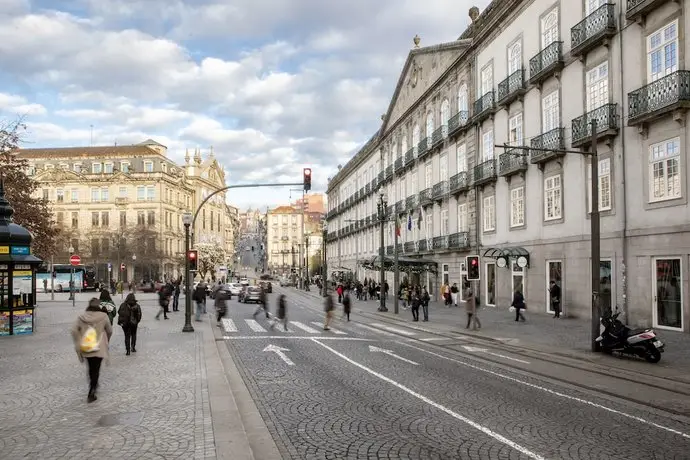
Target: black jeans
x,y
94,371
425,310
130,331
176,302
415,313
556,306
518,314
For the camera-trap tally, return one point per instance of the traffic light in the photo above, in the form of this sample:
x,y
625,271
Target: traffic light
x,y
252,248
473,271
193,259
307,179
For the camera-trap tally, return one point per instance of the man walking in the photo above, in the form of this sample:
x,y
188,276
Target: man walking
x,y
471,309
555,294
129,317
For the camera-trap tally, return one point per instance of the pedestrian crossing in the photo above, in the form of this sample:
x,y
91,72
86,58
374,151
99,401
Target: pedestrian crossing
x,y
253,326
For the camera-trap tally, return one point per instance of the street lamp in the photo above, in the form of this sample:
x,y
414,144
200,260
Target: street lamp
x,y
71,277
187,221
324,268
382,214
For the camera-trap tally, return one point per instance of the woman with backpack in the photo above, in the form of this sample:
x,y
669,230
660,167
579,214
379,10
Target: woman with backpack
x,y
108,306
129,317
91,335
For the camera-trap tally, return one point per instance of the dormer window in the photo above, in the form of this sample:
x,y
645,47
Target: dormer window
x,y
49,166
108,168
76,167
96,168
164,167
124,166
148,166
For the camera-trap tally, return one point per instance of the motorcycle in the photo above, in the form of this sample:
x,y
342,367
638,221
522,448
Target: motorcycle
x,y
617,337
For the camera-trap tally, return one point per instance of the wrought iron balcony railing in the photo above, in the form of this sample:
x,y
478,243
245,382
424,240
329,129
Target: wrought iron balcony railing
x,y
422,245
484,172
400,206
459,240
389,171
607,124
458,122
381,177
593,30
437,138
409,156
425,196
513,161
399,163
412,202
512,87
639,8
659,97
459,182
439,190
423,147
440,242
546,63
409,247
553,140
484,106
389,250
367,189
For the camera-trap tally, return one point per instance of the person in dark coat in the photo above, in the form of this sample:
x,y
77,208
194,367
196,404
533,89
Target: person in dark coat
x,y
220,302
129,317
519,305
424,299
415,306
347,305
281,313
164,296
176,296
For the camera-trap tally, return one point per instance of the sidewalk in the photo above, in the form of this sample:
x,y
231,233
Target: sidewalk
x,y
155,403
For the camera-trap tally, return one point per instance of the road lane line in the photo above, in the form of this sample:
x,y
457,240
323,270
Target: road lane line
x,y
377,331
335,331
304,327
556,393
293,337
254,325
229,325
473,424
394,329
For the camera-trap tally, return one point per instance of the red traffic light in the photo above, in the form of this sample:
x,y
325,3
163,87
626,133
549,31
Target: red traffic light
x,y
474,262
307,171
192,254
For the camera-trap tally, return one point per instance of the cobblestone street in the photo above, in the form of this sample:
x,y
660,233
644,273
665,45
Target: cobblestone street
x,y
152,405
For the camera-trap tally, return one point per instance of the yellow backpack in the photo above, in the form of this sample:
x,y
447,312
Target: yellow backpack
x,y
89,341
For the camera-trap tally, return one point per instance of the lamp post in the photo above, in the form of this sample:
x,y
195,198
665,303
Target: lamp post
x,y
381,206
324,268
187,221
133,281
71,278
306,260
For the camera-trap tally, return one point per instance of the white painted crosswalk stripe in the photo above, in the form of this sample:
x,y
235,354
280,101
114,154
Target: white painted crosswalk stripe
x,y
394,329
254,325
304,327
377,331
335,331
229,325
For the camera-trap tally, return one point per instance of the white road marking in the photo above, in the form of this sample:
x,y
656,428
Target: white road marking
x,y
229,325
394,329
431,339
304,327
335,331
254,325
473,424
281,353
373,329
554,392
374,349
292,337
484,350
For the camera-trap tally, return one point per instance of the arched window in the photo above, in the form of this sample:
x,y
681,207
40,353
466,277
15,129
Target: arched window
x,y
462,98
549,28
415,138
514,58
429,124
445,116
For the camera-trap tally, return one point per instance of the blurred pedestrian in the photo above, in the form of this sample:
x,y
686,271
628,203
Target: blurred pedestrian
x,y
107,305
425,298
199,297
263,304
329,308
281,313
471,309
415,306
519,305
164,295
129,317
91,335
176,295
347,305
220,302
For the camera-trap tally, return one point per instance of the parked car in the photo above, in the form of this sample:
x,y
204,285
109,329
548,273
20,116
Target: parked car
x,y
250,294
267,286
244,281
235,288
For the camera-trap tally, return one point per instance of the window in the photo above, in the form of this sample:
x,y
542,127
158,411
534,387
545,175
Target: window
x,y
549,28
75,219
122,192
74,195
96,168
148,166
487,79
514,57
592,5
461,158
604,185
518,278
489,213
429,124
95,194
664,170
76,167
95,219
463,222
141,218
488,146
212,221
123,218
150,192
46,194
151,218
551,117
60,217
104,194
445,116
662,52
108,168
515,130
105,219
403,147
415,138
124,166
517,207
428,171
164,167
95,250
412,183
552,198
444,222
429,226
49,167
60,195
462,99
141,193
597,86
443,167
403,188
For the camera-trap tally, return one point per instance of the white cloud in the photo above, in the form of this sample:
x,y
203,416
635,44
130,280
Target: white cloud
x,y
18,105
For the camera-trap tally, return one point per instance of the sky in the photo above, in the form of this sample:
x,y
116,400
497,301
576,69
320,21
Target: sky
x,y
272,85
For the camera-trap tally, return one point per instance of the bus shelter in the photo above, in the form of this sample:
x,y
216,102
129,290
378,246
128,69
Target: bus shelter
x,y
17,274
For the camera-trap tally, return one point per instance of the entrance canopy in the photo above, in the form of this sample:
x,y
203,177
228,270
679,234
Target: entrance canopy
x,y
507,253
405,264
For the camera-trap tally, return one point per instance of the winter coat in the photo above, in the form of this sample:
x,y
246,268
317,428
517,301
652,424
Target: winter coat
x,y
129,311
470,302
100,322
109,309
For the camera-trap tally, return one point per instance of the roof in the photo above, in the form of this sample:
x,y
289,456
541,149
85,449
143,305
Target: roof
x,y
355,160
97,151
152,142
283,210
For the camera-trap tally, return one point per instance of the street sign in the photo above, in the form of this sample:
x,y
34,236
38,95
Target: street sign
x,y
74,259
122,267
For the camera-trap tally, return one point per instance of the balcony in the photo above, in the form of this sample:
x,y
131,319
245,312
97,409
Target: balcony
x,y
437,138
594,30
484,107
390,209
380,178
422,245
400,248
554,140
548,62
399,164
513,161
458,122
459,183
409,247
660,97
484,173
389,172
409,157
512,88
459,240
425,197
638,9
440,242
423,147
367,189
367,221
400,206
389,250
607,125
440,190
374,184
356,196
412,202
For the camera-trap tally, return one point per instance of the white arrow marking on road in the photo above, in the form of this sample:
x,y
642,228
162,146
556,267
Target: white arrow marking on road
x,y
281,353
484,350
374,349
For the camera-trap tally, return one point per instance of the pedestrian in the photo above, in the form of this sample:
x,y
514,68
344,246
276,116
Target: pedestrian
x,y
518,304
199,297
329,308
91,335
45,284
176,295
347,305
555,295
129,317
220,302
340,290
281,313
454,294
425,303
471,309
414,306
108,306
164,295
263,304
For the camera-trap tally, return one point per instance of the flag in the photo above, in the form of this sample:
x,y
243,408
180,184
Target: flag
x,y
397,225
409,221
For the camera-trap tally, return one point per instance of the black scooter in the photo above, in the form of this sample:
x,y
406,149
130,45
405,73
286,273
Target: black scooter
x,y
617,337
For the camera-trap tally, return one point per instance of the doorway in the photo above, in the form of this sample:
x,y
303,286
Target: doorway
x,y
490,299
444,271
668,295
517,278
554,272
